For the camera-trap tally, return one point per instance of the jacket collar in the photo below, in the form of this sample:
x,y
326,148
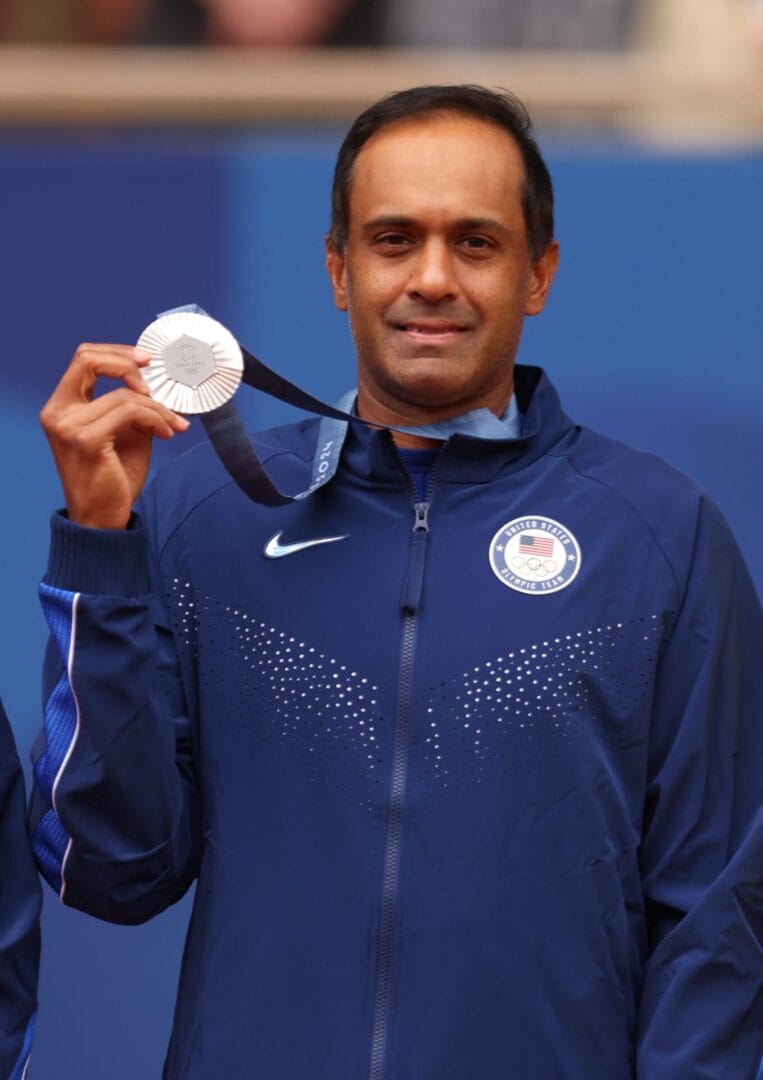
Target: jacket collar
x,y
371,455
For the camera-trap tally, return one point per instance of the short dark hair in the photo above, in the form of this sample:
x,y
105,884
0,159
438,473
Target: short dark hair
x,y
500,108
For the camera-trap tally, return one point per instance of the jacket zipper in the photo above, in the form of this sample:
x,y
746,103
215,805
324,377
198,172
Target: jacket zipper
x,y
414,580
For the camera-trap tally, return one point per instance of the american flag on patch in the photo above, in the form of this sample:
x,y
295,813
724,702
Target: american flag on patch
x,y
537,545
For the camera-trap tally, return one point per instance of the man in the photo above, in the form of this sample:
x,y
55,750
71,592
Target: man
x,y
463,747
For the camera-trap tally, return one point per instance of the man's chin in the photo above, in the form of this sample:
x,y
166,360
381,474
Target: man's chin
x,y
433,375
431,391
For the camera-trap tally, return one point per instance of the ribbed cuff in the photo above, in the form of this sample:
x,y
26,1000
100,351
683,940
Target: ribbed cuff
x,y
102,562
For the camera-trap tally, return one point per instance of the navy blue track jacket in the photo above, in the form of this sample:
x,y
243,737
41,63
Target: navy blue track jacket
x,y
471,790
20,901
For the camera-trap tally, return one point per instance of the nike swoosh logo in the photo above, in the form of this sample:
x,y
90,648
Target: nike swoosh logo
x,y
274,549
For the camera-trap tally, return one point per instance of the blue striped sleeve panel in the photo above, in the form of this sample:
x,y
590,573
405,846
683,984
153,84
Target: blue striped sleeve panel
x,y
21,1067
61,726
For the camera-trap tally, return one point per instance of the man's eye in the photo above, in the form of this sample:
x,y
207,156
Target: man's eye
x,y
476,242
392,239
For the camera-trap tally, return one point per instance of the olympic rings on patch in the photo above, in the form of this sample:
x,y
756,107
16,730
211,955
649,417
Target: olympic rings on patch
x,y
534,567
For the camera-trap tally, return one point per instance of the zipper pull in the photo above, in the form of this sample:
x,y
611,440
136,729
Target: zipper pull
x,y
414,578
422,517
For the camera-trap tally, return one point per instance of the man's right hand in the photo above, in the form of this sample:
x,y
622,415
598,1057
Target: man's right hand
x,y
102,446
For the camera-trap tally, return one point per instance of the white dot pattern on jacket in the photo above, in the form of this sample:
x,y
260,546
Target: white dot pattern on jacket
x,y
496,719
316,704
500,716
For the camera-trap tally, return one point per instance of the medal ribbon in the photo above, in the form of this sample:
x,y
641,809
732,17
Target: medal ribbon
x,y
227,434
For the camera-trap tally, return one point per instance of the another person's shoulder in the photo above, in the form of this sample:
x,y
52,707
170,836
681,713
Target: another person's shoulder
x,y
8,757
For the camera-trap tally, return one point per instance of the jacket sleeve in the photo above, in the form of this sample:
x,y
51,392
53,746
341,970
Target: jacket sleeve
x,y
114,812
701,1010
20,901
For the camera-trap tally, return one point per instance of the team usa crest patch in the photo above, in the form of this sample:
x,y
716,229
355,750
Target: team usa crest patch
x,y
535,555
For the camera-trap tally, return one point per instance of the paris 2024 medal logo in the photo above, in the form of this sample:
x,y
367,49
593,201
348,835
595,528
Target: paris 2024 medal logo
x,y
535,555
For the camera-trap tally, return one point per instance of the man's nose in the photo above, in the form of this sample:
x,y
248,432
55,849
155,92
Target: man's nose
x,y
433,276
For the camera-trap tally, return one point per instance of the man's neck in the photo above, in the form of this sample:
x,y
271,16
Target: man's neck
x,y
403,414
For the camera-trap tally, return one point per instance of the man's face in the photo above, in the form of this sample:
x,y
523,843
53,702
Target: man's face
x,y
436,275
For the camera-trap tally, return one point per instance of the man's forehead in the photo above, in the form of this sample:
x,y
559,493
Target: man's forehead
x,y
444,155
439,126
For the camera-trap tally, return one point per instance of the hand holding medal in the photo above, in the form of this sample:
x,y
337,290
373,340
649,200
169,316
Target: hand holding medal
x,y
102,445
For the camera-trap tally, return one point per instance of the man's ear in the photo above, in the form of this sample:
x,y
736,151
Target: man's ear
x,y
335,267
541,276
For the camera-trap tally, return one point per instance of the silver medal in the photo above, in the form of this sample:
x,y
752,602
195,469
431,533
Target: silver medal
x,y
195,365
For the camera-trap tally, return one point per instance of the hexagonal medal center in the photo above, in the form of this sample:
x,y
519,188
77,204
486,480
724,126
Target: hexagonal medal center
x,y
189,361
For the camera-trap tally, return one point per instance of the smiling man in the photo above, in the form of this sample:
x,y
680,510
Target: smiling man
x,y
437,270
464,749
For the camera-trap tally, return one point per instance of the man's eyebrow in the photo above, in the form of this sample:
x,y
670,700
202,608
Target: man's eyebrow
x,y
389,221
400,221
483,223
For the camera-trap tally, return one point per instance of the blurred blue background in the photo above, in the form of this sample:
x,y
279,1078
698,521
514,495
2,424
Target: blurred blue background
x,y
653,334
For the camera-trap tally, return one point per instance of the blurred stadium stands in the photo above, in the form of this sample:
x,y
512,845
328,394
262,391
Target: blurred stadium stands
x,y
514,24
686,72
